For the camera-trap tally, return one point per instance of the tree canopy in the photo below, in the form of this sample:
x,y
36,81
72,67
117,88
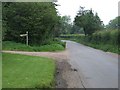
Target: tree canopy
x,y
38,18
87,20
114,24
66,24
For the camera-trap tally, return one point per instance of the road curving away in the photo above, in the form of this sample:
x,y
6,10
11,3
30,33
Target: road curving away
x,y
97,69
81,66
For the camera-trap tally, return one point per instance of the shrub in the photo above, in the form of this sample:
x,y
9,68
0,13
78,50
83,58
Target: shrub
x,y
56,46
105,40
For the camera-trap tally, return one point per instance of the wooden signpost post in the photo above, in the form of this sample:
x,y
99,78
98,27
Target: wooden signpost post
x,y
23,35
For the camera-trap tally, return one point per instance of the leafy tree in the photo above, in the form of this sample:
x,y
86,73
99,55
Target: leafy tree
x,y
114,24
39,19
88,21
76,30
65,24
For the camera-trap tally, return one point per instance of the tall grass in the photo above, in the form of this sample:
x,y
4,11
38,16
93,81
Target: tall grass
x,y
105,37
104,40
53,46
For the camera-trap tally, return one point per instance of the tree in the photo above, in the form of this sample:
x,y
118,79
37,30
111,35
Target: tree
x,y
114,24
76,30
88,21
66,25
39,19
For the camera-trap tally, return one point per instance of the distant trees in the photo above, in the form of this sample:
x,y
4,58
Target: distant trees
x,y
76,30
66,24
87,20
114,24
39,19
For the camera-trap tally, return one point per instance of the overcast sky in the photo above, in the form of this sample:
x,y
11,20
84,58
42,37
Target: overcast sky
x,y
106,9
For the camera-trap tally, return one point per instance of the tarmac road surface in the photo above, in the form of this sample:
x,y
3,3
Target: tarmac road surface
x,y
97,69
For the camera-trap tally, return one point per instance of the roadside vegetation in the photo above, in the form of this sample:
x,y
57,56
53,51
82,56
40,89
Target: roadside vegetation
x,y
43,24
101,37
104,40
40,20
54,46
22,71
89,30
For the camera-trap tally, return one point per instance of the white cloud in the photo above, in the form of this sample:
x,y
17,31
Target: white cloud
x,y
106,9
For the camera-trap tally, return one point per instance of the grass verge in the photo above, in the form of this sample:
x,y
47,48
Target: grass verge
x,y
9,45
22,71
101,46
104,47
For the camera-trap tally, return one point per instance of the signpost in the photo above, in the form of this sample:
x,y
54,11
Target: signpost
x,y
23,35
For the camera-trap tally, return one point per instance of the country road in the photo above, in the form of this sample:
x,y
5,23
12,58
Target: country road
x,y
81,66
96,69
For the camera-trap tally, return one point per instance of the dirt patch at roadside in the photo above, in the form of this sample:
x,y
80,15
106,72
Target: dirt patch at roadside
x,y
54,55
67,77
61,67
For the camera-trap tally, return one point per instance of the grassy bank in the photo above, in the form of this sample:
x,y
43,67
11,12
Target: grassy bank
x,y
22,71
54,46
104,40
101,46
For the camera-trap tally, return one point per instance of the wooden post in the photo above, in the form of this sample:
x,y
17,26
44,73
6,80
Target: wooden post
x,y
27,38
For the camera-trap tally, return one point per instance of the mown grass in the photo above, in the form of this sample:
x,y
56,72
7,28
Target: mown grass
x,y
22,71
9,45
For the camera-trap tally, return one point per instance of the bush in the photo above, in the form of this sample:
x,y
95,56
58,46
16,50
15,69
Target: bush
x,y
52,47
56,46
106,37
104,40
